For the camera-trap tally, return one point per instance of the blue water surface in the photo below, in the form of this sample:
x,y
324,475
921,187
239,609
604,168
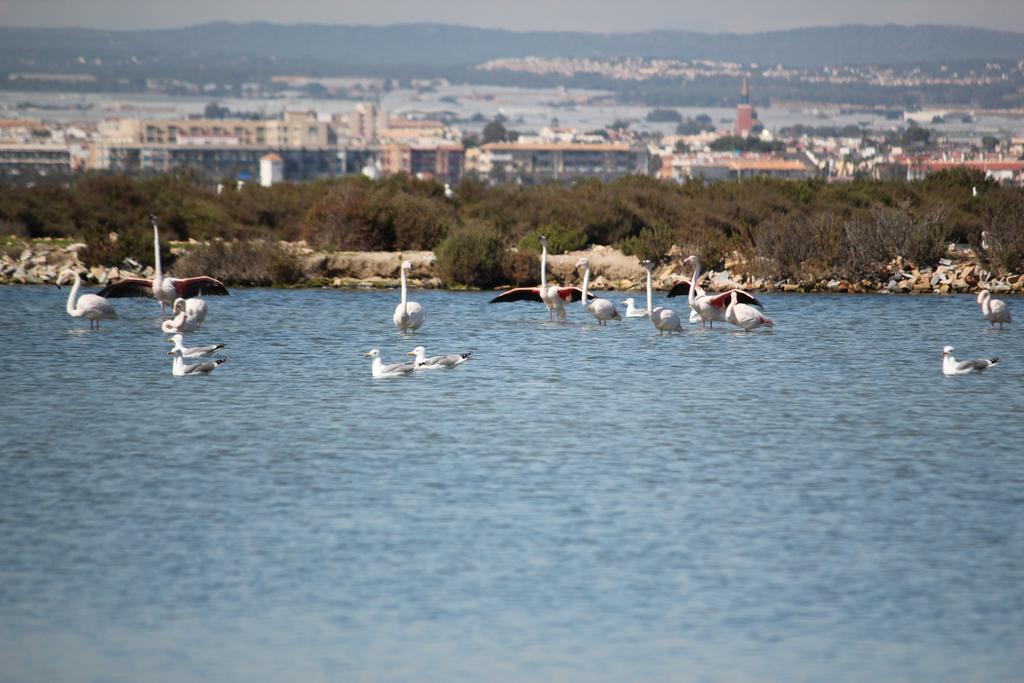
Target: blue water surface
x,y
574,503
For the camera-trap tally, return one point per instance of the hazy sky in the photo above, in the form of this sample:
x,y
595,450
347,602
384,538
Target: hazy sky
x,y
583,15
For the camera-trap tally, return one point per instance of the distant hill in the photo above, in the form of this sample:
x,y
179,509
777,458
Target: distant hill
x,y
447,46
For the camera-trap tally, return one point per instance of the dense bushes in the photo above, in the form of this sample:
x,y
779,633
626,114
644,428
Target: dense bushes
x,y
475,255
787,228
255,263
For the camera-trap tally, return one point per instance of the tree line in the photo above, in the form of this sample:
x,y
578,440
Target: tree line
x,y
781,228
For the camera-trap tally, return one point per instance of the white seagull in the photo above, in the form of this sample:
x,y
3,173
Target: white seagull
x,y
194,351
554,297
163,289
951,366
632,311
89,306
743,315
379,369
664,319
994,310
181,369
437,362
603,310
409,315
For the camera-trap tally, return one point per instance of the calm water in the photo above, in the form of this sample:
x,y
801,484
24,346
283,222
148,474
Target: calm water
x,y
574,503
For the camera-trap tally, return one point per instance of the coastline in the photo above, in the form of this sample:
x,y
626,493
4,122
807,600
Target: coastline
x,y
40,262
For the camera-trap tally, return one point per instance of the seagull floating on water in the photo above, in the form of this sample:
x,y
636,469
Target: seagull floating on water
x,y
194,351
951,366
437,362
380,369
632,311
181,369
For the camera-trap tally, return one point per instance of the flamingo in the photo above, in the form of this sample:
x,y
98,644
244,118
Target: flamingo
x,y
437,362
193,308
603,310
194,351
554,297
951,366
180,323
664,319
163,289
409,315
708,308
994,310
744,315
379,369
182,369
89,306
632,311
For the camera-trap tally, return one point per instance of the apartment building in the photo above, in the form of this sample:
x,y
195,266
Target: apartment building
x,y
535,162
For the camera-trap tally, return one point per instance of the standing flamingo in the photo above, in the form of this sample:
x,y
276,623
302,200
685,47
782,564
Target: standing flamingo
x,y
664,319
602,309
554,297
708,308
89,306
994,310
743,315
409,315
163,289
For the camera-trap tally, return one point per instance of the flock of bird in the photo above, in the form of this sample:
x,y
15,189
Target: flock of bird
x,y
734,307
180,293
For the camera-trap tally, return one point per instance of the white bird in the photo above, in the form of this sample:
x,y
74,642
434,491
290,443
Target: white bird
x,y
437,362
194,351
409,315
181,323
163,289
664,319
974,191
379,369
603,310
951,366
193,308
743,315
89,306
554,297
994,310
632,311
708,308
180,368
448,192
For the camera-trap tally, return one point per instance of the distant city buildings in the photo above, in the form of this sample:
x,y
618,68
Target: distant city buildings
x,y
303,145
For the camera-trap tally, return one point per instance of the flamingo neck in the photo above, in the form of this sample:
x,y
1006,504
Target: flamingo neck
x,y
986,303
730,310
544,267
586,283
650,296
158,271
693,282
72,296
405,303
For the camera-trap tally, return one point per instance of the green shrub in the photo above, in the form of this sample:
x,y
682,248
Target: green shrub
x,y
523,269
474,255
561,239
255,264
652,243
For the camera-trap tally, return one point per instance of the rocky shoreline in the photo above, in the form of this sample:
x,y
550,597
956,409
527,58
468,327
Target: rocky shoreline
x,y
42,261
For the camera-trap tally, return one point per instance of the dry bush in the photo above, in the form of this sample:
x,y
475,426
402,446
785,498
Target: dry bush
x,y
523,268
1005,238
13,228
255,264
653,243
